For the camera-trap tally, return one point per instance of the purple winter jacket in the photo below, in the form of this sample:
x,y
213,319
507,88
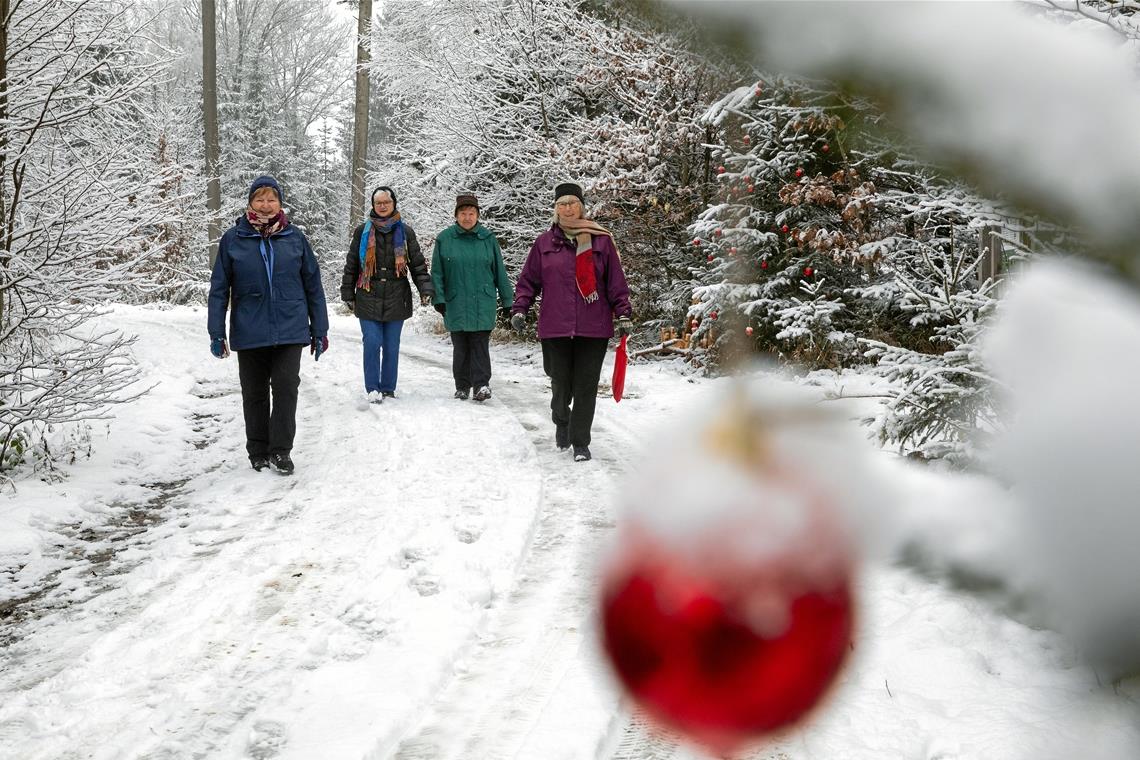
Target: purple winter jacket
x,y
549,270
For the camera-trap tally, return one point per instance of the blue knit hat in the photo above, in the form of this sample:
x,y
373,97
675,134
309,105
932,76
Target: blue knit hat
x,y
265,181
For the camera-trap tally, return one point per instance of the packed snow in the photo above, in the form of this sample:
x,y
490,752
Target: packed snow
x,y
424,585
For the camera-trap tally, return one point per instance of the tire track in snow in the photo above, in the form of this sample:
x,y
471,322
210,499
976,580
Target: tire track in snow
x,y
509,695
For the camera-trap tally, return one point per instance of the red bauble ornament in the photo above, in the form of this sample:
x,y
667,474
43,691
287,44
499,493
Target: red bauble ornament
x,y
758,90
763,264
750,188
784,229
710,257
732,250
693,325
718,232
825,147
799,171
746,139
712,315
748,331
696,241
808,271
720,170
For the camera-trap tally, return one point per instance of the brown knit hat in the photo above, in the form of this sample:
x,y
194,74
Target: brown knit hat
x,y
466,199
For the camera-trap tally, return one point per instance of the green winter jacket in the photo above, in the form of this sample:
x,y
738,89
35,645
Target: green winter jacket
x,y
467,269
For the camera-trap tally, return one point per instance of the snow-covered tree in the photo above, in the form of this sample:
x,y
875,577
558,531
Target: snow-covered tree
x,y
79,211
507,99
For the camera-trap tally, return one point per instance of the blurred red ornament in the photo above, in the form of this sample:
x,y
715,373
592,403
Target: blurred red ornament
x,y
718,232
750,188
758,90
712,315
696,241
825,147
808,271
784,229
693,324
799,171
746,139
763,264
720,170
732,250
748,331
710,257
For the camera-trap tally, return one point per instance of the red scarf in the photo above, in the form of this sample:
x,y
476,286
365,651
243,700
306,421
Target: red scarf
x,y
583,231
266,225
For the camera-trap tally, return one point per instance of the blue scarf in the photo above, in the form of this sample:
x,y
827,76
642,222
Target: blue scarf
x,y
367,250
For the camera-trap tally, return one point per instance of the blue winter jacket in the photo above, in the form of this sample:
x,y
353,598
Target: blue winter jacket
x,y
272,287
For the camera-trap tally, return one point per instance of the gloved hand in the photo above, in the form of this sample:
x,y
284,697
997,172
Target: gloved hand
x,y
442,309
425,299
351,306
219,348
318,346
622,327
518,322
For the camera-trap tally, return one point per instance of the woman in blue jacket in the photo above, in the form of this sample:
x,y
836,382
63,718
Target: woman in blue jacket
x,y
267,277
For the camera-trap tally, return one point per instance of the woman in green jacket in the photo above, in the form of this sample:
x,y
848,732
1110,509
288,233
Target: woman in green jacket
x,y
467,272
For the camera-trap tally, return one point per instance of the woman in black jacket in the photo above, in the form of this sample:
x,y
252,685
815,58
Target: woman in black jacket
x,y
382,257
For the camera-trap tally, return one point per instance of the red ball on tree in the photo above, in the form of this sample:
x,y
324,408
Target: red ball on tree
x,y
712,315
696,241
764,264
799,171
784,229
825,147
808,271
720,170
694,324
746,139
748,330
758,90
711,257
718,232
732,250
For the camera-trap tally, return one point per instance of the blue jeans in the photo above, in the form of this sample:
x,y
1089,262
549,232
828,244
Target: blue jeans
x,y
381,354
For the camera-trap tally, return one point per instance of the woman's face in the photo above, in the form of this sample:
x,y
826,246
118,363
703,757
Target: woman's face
x,y
569,210
467,216
383,204
265,201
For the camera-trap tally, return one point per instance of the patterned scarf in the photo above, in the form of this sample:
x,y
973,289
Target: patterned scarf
x,y
266,226
583,230
368,247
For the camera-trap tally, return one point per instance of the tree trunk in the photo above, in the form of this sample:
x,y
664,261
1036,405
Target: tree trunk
x,y
210,123
356,207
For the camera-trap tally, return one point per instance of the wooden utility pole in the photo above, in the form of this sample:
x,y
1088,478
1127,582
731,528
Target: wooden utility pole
x,y
356,207
210,123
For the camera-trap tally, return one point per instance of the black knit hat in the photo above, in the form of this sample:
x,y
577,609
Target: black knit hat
x,y
385,189
265,181
466,199
569,188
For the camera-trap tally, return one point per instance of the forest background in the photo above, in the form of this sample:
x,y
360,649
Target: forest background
x,y
757,213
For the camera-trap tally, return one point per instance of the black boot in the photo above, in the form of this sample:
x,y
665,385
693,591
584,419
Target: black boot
x,y
259,462
562,436
582,454
282,463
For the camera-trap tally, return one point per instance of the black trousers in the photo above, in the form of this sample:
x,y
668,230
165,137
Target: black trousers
x,y
573,366
276,371
471,359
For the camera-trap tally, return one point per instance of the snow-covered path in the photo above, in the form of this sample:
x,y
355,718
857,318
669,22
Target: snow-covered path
x,y
423,587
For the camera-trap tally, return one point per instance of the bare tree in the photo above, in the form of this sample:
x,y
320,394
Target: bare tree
x,y
79,206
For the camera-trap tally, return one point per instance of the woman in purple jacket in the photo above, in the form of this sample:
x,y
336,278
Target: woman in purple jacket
x,y
585,301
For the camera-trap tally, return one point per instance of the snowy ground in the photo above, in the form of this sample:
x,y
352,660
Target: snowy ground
x,y
423,587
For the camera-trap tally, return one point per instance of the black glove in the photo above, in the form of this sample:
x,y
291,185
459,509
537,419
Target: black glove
x,y
518,322
622,327
441,308
318,346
